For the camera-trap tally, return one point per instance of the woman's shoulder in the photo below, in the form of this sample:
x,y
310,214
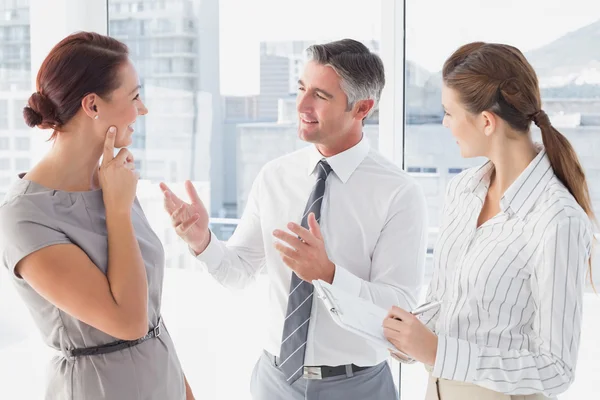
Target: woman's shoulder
x,y
26,201
558,202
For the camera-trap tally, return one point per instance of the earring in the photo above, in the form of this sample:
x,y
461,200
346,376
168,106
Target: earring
x,y
96,117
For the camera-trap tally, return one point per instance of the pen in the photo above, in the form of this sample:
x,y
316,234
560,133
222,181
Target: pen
x,y
426,307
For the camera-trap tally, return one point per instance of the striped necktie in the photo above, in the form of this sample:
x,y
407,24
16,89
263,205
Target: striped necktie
x,y
295,328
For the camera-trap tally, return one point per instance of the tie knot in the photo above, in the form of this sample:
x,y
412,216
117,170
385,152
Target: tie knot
x,y
323,169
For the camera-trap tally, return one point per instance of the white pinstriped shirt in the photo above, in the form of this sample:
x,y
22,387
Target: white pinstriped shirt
x,y
511,289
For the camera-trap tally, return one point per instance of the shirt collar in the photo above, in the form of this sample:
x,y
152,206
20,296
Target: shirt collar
x,y
343,164
524,192
522,195
480,180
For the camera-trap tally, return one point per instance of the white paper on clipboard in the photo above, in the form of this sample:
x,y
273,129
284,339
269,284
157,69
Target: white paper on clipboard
x,y
354,314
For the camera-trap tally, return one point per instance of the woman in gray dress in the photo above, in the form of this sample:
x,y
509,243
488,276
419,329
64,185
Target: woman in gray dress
x,y
76,241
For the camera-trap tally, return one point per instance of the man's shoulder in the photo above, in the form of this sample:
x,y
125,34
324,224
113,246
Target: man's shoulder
x,y
377,164
289,160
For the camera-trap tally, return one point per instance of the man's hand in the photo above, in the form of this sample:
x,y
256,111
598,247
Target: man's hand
x,y
190,220
305,251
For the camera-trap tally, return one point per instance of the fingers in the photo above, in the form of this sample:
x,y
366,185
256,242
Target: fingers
x,y
303,233
109,145
178,216
399,357
192,193
183,228
290,262
286,251
292,240
392,324
171,201
124,156
314,227
403,315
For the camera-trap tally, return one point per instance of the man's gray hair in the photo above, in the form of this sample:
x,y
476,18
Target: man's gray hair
x,y
361,71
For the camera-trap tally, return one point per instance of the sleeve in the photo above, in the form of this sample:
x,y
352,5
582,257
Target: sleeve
x,y
557,287
25,229
236,264
398,258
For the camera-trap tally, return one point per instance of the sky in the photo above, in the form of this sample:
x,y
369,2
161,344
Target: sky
x,y
434,28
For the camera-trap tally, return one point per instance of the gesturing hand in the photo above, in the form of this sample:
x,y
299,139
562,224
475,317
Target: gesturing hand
x,y
190,220
305,251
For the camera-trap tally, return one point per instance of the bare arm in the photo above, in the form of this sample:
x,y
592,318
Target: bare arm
x,y
188,390
115,303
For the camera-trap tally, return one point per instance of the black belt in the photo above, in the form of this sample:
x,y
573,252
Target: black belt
x,y
324,371
115,346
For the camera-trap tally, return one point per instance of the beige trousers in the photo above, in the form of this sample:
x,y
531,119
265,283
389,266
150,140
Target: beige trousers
x,y
442,389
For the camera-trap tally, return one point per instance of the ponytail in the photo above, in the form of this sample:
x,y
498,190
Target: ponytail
x,y
566,166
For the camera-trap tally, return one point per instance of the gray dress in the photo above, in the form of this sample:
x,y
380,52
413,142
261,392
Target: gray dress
x,y
33,217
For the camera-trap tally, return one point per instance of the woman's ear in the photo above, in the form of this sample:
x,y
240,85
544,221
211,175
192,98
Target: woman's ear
x,y
490,121
90,106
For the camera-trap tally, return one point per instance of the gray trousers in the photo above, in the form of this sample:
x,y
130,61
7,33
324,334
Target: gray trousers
x,y
268,383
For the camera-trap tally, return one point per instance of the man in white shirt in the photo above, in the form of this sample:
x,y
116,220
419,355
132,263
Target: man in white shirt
x,y
337,211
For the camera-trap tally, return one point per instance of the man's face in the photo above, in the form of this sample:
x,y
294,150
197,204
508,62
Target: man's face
x,y
322,106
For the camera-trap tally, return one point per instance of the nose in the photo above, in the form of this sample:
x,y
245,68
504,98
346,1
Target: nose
x,y
142,110
303,102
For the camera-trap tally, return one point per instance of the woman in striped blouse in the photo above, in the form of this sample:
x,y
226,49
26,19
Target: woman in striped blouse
x,y
514,245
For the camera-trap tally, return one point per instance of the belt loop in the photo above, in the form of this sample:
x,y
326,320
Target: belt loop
x,y
349,372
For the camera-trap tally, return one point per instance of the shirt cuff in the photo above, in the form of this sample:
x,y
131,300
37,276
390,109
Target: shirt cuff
x,y
346,281
455,360
214,253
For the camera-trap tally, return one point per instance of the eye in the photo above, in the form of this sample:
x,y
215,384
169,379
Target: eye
x,y
137,97
301,89
321,97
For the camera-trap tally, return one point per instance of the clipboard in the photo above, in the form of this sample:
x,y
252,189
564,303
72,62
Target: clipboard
x,y
355,314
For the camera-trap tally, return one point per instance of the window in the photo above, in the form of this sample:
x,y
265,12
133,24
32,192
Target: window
x,y
4,163
22,144
18,121
183,138
4,143
165,26
22,164
3,113
422,170
567,31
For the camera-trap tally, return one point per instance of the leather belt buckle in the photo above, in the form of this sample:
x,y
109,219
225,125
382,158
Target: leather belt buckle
x,y
312,373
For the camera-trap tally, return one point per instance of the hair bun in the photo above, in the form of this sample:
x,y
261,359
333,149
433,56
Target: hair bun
x,y
39,112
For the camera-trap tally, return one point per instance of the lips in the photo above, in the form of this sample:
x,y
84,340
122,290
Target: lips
x,y
308,120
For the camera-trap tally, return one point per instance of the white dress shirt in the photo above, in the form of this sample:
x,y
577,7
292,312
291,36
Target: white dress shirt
x,y
373,221
511,289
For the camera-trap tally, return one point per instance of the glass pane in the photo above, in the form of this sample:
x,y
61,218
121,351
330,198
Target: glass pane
x,y
562,43
21,370
221,105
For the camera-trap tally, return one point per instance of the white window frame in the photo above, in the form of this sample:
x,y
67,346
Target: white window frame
x,y
391,108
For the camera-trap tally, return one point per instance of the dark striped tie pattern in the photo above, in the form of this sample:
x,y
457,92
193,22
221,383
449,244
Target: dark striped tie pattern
x,y
295,327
